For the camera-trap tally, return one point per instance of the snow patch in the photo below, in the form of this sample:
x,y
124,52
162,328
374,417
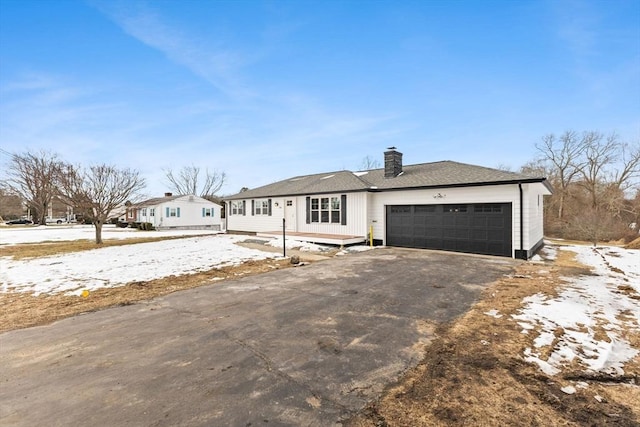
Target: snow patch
x,y
583,322
493,313
118,265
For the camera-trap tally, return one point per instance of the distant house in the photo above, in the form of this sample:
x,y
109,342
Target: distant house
x,y
442,205
177,212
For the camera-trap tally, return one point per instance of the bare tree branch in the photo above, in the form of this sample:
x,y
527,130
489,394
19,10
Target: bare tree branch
x,y
564,154
599,153
98,191
187,181
369,163
31,175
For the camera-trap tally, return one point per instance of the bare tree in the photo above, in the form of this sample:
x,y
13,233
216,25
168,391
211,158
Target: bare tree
x,y
626,177
31,175
599,153
188,181
369,163
564,155
11,205
98,190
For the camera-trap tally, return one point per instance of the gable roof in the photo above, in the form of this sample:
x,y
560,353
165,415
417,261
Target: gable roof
x,y
425,175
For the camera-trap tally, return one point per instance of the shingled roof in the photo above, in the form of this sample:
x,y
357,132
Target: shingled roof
x,y
157,200
425,175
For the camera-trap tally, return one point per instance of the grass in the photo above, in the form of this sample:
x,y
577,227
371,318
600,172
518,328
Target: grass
x,y
41,249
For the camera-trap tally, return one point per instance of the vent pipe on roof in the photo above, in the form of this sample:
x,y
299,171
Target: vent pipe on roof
x,y
168,194
392,163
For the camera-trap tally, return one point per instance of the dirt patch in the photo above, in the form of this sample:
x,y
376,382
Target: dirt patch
x,y
474,373
34,250
21,310
635,244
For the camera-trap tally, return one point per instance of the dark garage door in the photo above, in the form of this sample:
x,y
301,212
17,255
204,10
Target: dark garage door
x,y
473,228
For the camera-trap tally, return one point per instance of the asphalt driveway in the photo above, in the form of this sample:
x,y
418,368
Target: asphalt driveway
x,y
304,346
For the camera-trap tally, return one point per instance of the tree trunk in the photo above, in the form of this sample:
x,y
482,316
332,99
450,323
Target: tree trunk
x,y
561,204
98,225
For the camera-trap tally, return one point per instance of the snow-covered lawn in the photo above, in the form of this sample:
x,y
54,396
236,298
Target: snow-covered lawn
x,y
11,235
118,265
72,273
586,320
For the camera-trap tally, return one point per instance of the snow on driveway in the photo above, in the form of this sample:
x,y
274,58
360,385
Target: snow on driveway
x,y
118,265
585,321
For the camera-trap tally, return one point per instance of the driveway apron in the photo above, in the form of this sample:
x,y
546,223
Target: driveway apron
x,y
305,346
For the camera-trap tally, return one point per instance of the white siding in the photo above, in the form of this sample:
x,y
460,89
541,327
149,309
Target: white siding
x,y
534,213
190,213
356,217
255,223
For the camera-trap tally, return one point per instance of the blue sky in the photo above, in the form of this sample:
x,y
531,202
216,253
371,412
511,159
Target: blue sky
x,y
268,90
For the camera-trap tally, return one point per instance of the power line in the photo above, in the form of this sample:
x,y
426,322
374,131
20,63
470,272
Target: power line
x,y
7,153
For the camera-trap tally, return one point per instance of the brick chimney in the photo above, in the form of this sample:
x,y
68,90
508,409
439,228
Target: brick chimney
x,y
392,163
168,194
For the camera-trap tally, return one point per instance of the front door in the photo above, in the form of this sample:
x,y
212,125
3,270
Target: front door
x,y
290,214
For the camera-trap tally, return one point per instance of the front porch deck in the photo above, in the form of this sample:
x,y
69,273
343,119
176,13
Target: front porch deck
x,y
328,239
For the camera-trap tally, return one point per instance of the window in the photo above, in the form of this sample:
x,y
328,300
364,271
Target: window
x,y
315,214
261,207
289,202
143,212
207,212
425,209
487,208
152,211
325,209
237,207
172,212
335,210
455,208
400,209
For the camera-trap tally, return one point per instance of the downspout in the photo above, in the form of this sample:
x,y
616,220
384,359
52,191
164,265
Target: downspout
x,y
523,253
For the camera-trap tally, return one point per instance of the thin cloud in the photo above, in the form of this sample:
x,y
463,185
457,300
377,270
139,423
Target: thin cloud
x,y
214,63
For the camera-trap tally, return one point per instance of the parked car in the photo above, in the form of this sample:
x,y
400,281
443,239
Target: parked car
x,y
20,221
58,220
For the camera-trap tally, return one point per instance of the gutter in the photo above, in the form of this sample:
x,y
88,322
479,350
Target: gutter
x,y
375,189
521,253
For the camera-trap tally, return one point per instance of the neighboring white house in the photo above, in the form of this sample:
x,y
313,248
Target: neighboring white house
x,y
441,205
178,212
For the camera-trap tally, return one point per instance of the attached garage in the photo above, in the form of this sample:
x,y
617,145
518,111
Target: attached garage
x,y
442,205
482,228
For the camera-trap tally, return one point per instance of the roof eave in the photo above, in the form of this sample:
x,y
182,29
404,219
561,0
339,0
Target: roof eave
x,y
419,187
464,184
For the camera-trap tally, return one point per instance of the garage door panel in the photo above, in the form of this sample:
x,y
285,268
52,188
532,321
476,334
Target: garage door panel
x,y
494,235
478,234
495,222
479,221
476,228
433,232
462,221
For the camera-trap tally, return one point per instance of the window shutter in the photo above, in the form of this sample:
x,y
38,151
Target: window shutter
x,y
343,209
308,210
244,207
253,207
203,214
269,209
229,209
167,212
178,212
